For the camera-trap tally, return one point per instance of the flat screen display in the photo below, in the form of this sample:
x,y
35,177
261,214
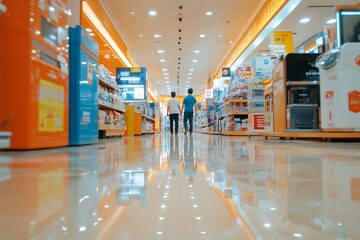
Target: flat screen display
x,y
132,84
48,31
348,26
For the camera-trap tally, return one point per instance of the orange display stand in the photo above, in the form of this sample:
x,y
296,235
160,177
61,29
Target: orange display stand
x,y
34,73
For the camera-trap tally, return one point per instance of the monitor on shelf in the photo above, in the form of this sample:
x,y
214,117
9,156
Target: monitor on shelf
x,y
132,83
348,26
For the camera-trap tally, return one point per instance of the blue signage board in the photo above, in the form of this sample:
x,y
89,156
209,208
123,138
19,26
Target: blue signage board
x,y
132,83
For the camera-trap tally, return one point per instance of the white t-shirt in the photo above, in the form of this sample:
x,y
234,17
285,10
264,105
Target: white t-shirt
x,y
173,105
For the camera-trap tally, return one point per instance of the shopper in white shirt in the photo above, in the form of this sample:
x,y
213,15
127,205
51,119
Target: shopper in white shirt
x,y
173,111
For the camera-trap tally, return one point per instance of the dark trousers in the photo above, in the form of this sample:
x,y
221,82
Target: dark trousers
x,y
188,116
174,117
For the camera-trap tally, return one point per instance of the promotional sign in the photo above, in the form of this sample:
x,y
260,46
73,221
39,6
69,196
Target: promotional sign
x,y
209,93
281,42
132,83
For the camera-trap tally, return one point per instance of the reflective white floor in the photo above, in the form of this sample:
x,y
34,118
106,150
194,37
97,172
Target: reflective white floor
x,y
183,187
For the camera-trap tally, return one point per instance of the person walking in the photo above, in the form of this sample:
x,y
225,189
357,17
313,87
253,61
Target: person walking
x,y
173,111
189,106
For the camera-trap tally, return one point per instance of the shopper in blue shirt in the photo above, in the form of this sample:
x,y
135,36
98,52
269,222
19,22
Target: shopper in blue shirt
x,y
189,106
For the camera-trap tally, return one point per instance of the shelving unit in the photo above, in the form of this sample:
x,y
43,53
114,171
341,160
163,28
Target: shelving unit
x,y
269,108
111,126
235,117
146,119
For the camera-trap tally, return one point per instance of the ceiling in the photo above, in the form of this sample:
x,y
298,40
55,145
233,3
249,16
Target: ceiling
x,y
180,39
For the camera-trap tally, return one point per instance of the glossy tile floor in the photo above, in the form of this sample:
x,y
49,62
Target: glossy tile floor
x,y
183,187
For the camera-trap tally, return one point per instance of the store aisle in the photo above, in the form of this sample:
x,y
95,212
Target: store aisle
x,y
182,187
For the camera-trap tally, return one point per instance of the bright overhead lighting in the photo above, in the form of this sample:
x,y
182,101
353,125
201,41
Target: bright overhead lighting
x,y
92,34
298,235
272,209
202,35
187,82
162,60
198,218
202,232
166,74
331,21
164,69
157,36
82,229
89,30
161,218
163,206
189,73
161,51
220,35
304,20
194,60
267,225
132,13
209,13
269,46
191,69
51,9
152,13
159,233
140,35
196,51
195,206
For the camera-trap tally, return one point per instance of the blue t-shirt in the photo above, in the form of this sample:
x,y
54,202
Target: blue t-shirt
x,y
189,102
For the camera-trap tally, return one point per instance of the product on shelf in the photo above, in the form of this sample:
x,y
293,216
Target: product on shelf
x,y
105,76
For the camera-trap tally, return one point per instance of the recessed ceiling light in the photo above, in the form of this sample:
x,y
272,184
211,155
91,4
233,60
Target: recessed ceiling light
x,y
194,60
190,73
209,13
132,13
231,41
161,51
188,81
191,69
159,233
152,13
89,30
157,36
202,232
164,69
202,35
162,60
140,35
269,46
166,73
267,225
331,21
198,218
304,20
299,235
161,218
196,51
92,34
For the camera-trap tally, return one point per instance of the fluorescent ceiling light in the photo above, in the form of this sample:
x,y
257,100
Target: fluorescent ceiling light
x,y
304,20
297,235
162,60
202,35
164,69
157,36
267,225
152,13
194,60
191,69
161,51
196,51
98,24
331,21
209,13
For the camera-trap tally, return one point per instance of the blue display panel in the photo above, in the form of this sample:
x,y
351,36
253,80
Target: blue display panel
x,y
83,122
132,83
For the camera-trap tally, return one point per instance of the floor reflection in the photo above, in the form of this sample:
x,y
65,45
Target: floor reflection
x,y
158,186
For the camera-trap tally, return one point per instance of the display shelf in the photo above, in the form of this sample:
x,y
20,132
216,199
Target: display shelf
x,y
107,85
148,132
149,118
233,114
235,133
302,83
111,127
109,106
113,132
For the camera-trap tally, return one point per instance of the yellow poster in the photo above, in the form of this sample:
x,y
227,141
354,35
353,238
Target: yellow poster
x,y
282,42
51,107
